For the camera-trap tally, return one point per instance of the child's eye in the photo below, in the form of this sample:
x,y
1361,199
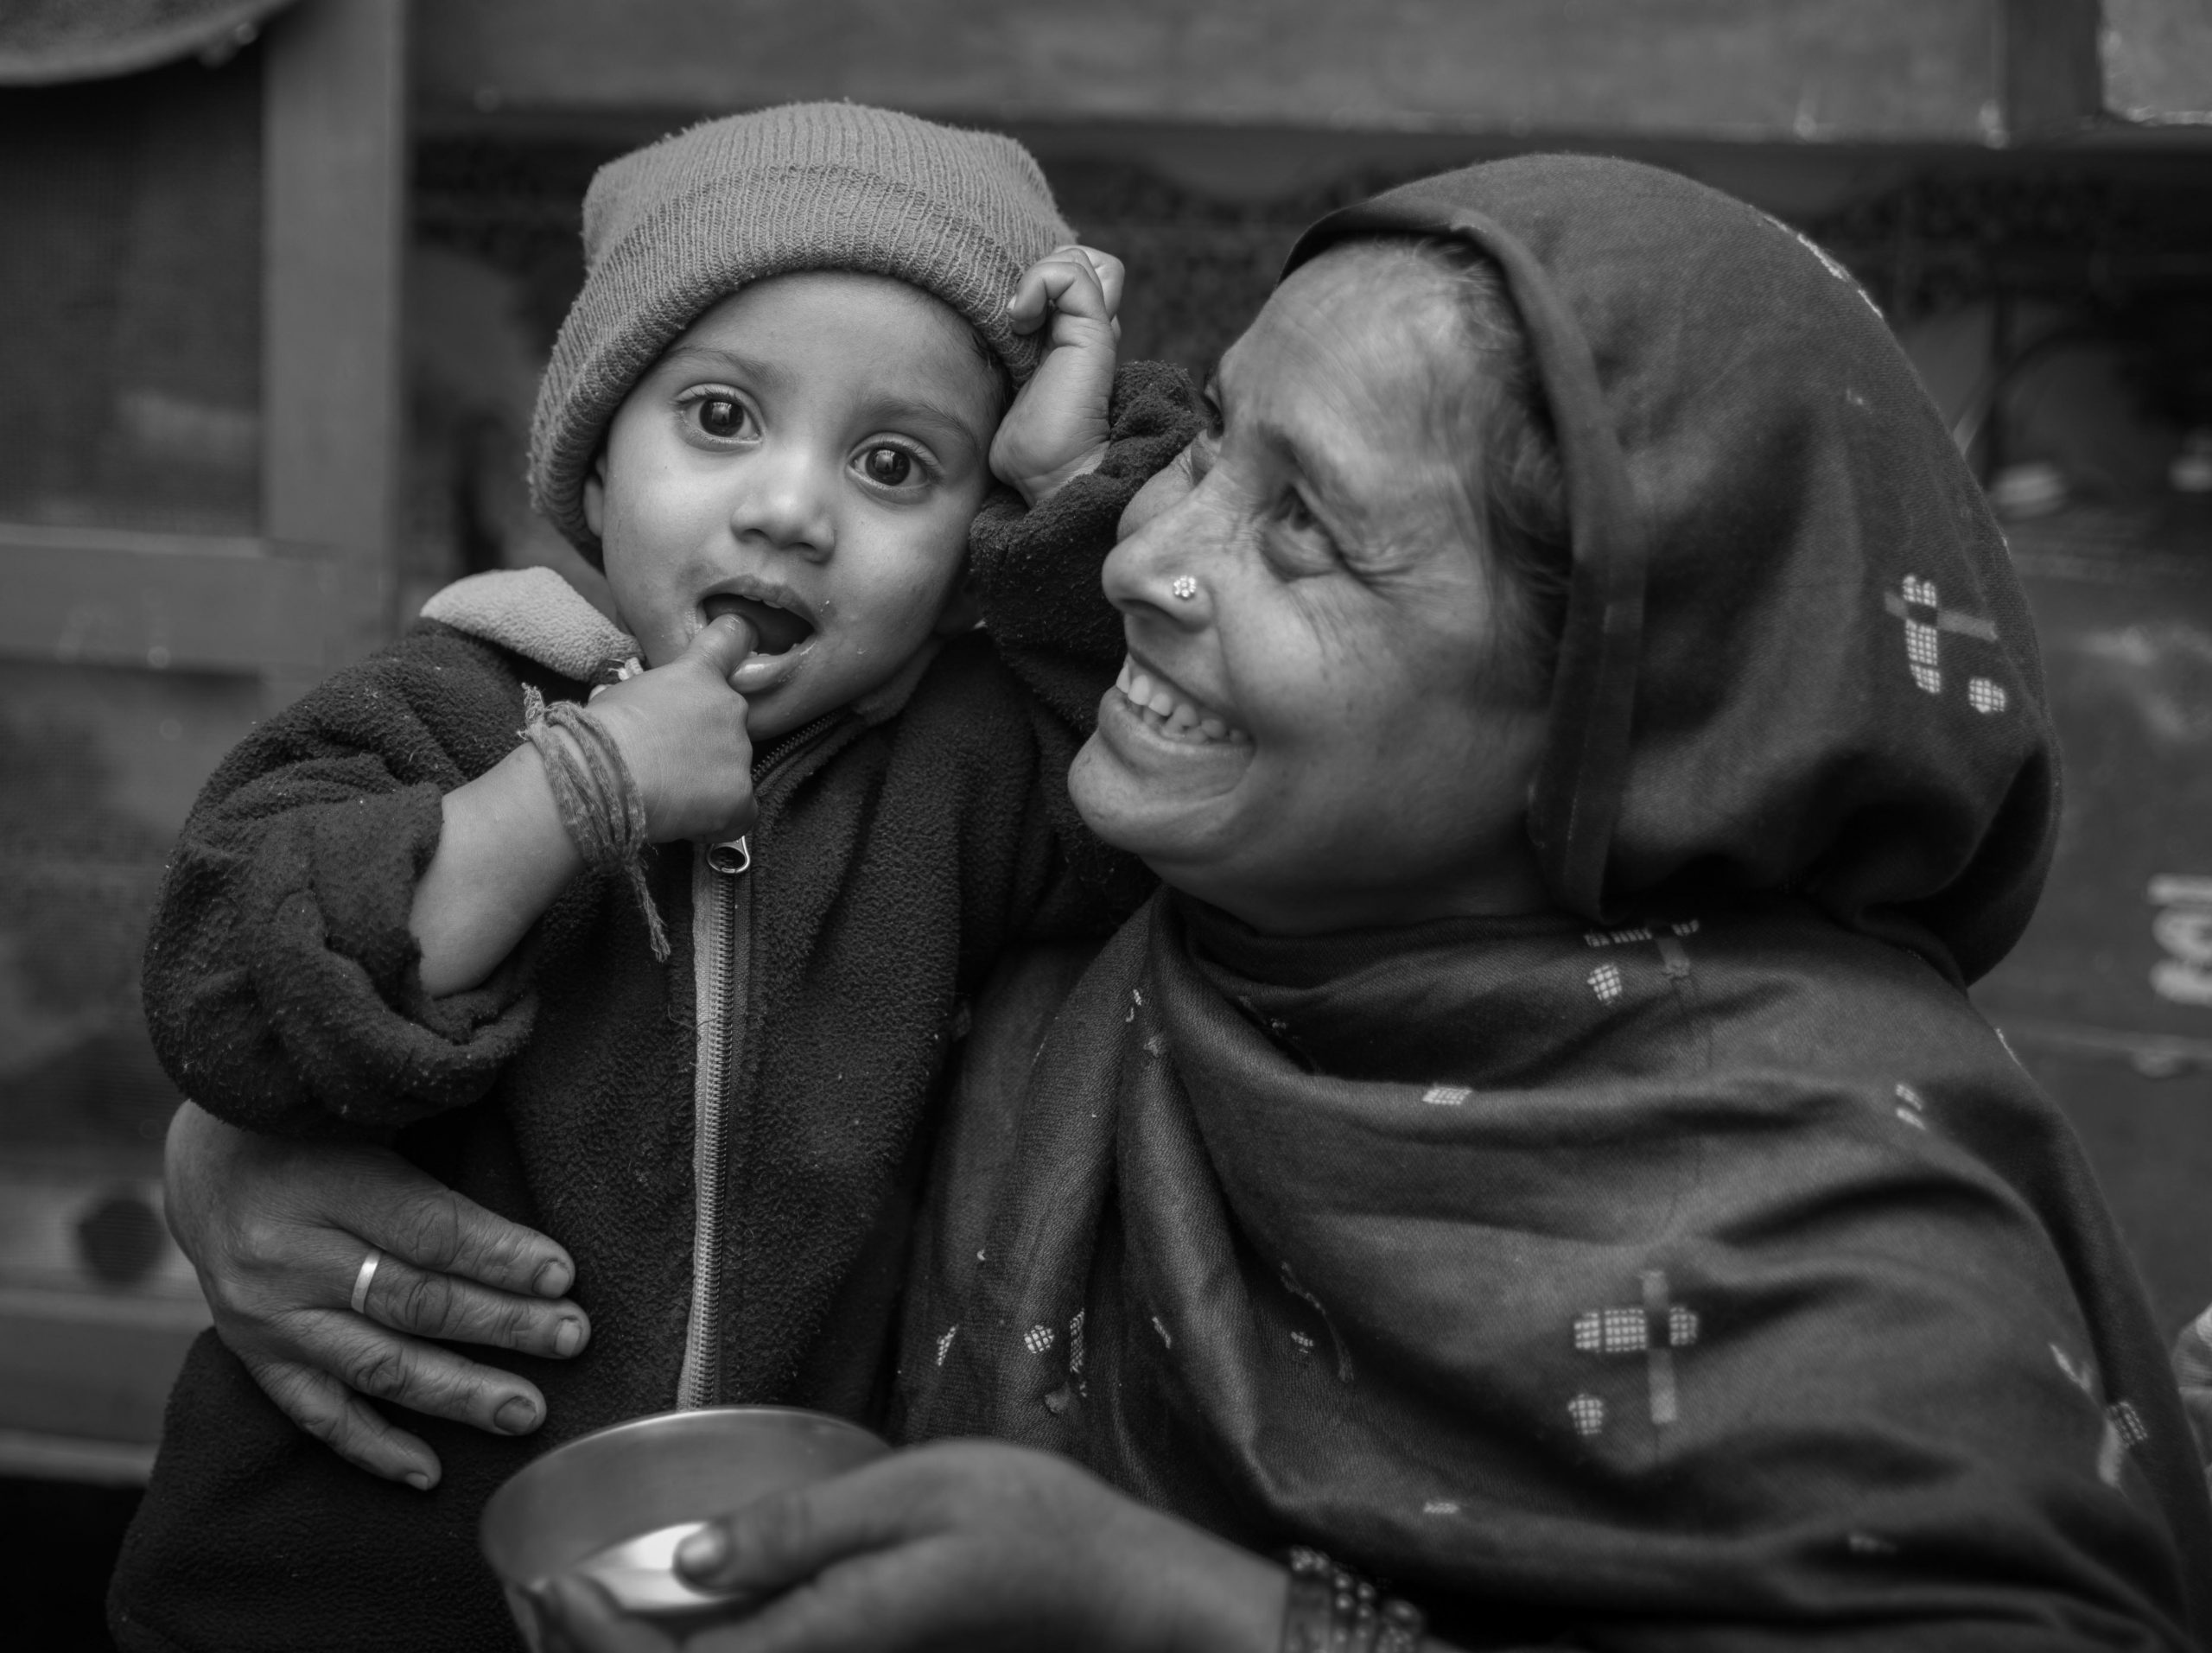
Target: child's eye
x,y
892,467
888,465
723,417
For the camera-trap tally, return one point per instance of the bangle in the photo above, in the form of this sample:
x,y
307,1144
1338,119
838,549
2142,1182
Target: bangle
x,y
1330,1609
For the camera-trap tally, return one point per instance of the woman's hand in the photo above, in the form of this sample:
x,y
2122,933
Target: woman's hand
x,y
969,1544
278,1232
1056,429
2193,1372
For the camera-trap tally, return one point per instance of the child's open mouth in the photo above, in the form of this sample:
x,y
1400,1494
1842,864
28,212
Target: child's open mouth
x,y
775,631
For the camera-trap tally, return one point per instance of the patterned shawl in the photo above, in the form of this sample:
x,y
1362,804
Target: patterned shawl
x,y
1719,1283
1697,1271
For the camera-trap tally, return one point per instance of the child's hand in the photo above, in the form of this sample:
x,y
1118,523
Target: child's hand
x,y
1056,429
681,728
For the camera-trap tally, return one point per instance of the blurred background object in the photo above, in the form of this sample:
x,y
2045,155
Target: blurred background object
x,y
278,281
45,41
199,476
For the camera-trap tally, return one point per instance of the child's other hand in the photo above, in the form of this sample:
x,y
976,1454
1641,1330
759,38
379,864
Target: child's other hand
x,y
681,728
1056,427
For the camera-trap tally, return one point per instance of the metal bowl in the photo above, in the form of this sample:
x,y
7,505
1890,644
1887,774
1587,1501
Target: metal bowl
x,y
614,1504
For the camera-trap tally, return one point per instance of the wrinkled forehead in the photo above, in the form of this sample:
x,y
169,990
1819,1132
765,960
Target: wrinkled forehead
x,y
1358,373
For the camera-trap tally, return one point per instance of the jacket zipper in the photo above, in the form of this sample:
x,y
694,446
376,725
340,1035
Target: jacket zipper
x,y
721,957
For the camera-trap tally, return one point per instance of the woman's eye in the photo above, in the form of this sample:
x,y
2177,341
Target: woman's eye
x,y
889,467
1301,542
1298,517
721,415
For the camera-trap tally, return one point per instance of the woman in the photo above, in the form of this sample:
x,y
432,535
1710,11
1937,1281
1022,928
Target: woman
x,y
1707,1277
1537,1148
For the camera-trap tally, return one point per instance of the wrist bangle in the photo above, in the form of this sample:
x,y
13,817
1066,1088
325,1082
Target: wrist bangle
x,y
1330,1609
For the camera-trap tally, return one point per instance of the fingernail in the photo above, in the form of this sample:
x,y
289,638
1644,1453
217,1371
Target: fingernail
x,y
516,1417
569,1338
551,1280
419,1481
702,1551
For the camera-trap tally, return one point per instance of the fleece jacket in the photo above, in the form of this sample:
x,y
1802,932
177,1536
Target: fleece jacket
x,y
894,859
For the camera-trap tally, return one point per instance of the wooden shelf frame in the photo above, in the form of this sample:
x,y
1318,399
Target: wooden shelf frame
x,y
314,588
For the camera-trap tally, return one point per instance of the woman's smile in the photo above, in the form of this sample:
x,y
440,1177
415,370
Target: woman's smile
x,y
1166,709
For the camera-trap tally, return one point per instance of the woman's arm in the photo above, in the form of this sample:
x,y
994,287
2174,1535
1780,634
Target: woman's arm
x,y
1036,567
1035,571
2192,1359
278,1232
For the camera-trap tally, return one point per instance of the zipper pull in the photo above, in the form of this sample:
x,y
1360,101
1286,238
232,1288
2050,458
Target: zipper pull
x,y
731,858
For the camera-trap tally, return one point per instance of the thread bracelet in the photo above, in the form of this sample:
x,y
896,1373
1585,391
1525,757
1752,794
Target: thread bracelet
x,y
597,797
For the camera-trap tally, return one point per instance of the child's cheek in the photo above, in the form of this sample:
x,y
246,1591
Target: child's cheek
x,y
662,627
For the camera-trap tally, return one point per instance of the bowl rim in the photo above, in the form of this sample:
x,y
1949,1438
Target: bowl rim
x,y
652,1423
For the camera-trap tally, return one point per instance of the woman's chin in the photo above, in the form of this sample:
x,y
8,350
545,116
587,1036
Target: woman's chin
x,y
1150,793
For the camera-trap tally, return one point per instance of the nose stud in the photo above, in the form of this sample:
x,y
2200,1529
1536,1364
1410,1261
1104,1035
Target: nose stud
x,y
1185,588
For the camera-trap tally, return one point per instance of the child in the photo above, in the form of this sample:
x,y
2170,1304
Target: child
x,y
769,414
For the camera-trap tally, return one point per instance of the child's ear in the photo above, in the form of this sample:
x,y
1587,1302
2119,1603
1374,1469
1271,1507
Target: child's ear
x,y
962,610
596,496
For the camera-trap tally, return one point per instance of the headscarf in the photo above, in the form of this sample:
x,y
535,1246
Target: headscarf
x,y
1795,654
1698,1272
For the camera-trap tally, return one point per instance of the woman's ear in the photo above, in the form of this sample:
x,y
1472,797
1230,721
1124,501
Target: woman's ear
x,y
962,610
596,496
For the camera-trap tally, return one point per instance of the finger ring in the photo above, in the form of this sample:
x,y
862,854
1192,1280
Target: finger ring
x,y
1185,588
361,1280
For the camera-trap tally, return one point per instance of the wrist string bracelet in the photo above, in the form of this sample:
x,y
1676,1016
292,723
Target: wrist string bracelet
x,y
1330,1609
597,797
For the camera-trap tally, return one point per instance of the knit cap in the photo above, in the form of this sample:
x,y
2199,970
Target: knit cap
x,y
672,229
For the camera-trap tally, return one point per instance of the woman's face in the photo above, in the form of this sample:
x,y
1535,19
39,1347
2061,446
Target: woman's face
x,y
1314,730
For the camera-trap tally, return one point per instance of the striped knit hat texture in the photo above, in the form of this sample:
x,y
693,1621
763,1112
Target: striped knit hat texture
x,y
672,229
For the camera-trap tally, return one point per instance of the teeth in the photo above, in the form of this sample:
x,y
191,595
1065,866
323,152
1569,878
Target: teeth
x,y
1169,714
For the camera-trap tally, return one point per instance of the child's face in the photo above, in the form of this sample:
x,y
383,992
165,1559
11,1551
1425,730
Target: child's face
x,y
815,444
1311,585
